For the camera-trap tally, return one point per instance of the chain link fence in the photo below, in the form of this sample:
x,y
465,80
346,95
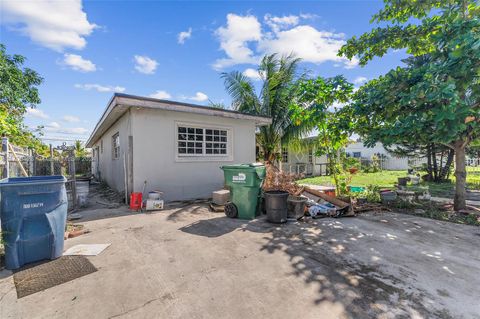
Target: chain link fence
x,y
18,162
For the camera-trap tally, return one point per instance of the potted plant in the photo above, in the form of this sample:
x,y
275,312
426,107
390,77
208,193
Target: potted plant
x,y
353,170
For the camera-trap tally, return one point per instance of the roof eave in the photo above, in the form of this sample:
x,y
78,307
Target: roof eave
x,y
128,101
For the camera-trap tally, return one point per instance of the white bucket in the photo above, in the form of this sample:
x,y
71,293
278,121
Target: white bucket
x,y
155,195
82,188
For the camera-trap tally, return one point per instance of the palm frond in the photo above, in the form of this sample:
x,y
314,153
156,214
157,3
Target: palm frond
x,y
241,89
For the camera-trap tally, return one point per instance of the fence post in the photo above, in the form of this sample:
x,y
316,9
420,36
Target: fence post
x,y
6,168
51,161
34,163
30,162
71,173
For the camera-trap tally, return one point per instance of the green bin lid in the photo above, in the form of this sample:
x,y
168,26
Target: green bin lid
x,y
242,166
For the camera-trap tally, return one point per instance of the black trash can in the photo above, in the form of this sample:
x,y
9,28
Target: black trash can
x,y
402,181
276,206
296,206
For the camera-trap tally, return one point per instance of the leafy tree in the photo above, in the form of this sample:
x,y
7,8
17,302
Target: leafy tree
x,y
18,90
314,107
274,100
443,93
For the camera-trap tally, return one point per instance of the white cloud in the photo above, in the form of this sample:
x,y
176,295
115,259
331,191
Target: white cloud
x,y
287,35
54,24
252,74
234,38
279,23
360,80
308,16
162,95
184,35
36,113
307,43
144,64
53,125
100,88
199,97
71,119
350,64
74,130
77,63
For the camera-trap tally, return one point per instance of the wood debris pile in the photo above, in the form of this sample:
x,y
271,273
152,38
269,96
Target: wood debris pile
x,y
370,207
278,180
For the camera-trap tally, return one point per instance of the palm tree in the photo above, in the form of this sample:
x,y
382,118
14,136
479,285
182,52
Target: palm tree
x,y
278,91
80,150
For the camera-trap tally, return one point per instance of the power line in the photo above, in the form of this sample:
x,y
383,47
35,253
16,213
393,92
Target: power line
x,y
60,139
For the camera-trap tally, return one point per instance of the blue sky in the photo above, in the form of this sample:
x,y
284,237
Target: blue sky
x,y
86,50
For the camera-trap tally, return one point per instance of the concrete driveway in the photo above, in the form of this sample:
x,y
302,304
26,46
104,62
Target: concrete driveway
x,y
190,263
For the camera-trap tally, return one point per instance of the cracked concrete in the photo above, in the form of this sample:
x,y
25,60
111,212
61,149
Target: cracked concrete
x,y
190,263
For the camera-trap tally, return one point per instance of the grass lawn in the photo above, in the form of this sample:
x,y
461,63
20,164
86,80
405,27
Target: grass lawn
x,y
387,179
382,179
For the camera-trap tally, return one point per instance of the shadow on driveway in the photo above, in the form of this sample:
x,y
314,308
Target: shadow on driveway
x,y
326,253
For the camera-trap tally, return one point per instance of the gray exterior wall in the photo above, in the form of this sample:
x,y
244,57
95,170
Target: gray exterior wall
x,y
104,165
155,157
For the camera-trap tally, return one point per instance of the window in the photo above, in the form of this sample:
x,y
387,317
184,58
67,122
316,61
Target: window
x,y
216,142
310,156
284,155
357,154
195,141
116,146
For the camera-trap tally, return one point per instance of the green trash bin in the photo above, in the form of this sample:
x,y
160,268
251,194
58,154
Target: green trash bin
x,y
244,181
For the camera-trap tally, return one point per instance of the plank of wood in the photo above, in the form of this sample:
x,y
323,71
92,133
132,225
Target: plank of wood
x,y
18,161
330,199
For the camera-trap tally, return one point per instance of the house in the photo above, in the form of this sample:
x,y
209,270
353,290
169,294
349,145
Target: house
x,y
388,161
303,162
173,147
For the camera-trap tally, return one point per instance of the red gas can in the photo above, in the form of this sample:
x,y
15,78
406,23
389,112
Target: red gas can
x,y
136,201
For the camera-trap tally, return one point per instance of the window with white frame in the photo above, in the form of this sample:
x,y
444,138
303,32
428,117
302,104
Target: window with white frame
x,y
357,154
198,141
116,146
284,155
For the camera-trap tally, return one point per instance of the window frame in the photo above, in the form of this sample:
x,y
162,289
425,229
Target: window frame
x,y
186,157
285,155
114,147
310,156
357,153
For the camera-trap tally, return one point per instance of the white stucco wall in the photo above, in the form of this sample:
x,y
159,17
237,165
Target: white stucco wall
x,y
366,152
155,160
392,162
295,157
108,169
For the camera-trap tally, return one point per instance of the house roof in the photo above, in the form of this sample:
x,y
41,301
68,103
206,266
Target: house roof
x,y
120,103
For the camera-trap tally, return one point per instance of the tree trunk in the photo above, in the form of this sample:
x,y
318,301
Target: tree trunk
x,y
429,163
434,163
459,201
448,163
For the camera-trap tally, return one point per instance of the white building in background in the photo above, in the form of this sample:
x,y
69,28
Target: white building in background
x,y
388,161
305,163
177,148
310,165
